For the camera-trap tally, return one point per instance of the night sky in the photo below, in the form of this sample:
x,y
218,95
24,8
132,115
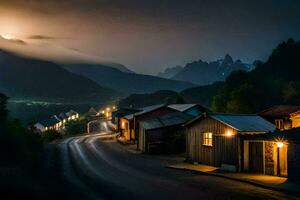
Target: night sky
x,y
147,36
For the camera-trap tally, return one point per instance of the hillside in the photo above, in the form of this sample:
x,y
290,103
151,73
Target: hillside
x,y
204,73
25,78
271,83
200,95
126,82
143,100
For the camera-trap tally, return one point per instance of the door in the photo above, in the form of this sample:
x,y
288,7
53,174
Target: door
x,y
282,161
256,162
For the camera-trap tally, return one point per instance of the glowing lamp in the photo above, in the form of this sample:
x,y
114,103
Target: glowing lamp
x,y
228,133
279,144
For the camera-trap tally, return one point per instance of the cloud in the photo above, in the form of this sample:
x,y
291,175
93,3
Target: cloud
x,y
40,37
15,41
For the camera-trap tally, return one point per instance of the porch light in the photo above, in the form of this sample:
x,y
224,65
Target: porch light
x,y
279,144
228,133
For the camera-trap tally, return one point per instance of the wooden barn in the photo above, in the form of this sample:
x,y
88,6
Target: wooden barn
x,y
118,114
127,128
148,113
283,116
215,139
163,134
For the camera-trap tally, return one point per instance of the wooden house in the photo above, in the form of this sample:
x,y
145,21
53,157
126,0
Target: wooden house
x,y
92,114
118,114
147,113
49,124
281,153
127,127
163,133
190,109
215,139
72,115
283,116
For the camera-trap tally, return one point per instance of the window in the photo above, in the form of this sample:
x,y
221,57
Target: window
x,y
279,124
207,139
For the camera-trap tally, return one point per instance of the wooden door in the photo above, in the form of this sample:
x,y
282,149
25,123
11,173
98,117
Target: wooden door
x,y
256,162
282,161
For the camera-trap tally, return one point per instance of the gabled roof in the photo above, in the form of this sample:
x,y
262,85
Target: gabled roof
x,y
49,122
126,111
62,115
240,122
289,135
185,107
245,123
171,119
181,107
92,111
71,113
129,117
279,111
149,109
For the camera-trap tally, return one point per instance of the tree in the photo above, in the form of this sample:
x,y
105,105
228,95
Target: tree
x,y
75,127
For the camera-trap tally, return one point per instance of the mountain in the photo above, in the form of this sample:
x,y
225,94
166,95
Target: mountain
x,y
273,82
204,73
26,78
126,82
170,72
118,66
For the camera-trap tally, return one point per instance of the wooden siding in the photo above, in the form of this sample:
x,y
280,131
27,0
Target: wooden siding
x,y
155,113
224,149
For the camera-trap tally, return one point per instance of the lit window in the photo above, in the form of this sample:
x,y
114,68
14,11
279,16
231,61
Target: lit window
x,y
208,139
279,124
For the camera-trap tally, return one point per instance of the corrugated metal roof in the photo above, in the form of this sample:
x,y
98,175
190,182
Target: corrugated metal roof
x,y
170,119
149,109
289,135
125,111
280,111
129,117
181,107
245,123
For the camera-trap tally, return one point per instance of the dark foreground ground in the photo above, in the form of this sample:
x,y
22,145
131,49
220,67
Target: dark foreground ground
x,y
97,167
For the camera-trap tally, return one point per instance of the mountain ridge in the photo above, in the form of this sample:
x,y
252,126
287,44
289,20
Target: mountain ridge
x,y
26,78
126,82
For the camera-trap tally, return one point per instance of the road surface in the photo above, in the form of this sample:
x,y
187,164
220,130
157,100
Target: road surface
x,y
95,166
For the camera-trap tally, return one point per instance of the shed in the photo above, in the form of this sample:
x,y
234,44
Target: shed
x,y
147,113
163,133
214,138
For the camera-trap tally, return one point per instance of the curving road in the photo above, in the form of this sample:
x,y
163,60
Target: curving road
x,y
95,166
